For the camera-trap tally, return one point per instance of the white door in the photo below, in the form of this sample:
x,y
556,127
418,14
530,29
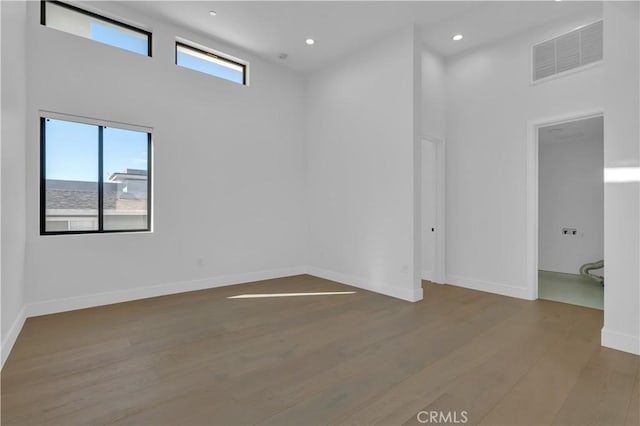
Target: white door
x,y
429,209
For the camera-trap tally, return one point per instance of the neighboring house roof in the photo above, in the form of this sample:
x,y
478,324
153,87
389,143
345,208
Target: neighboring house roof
x,y
69,194
130,174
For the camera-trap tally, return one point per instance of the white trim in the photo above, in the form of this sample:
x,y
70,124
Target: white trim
x,y
12,335
87,6
199,46
490,287
107,298
431,138
532,190
94,121
427,275
411,295
439,264
620,341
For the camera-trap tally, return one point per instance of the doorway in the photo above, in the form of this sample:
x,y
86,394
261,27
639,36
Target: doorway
x,y
571,211
432,210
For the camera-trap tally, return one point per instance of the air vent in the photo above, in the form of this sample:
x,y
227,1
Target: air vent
x,y
569,51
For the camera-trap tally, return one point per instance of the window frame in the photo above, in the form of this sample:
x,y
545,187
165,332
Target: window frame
x,y
43,22
43,178
213,55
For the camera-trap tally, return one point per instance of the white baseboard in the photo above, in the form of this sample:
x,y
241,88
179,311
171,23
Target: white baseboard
x,y
490,287
427,275
107,298
411,295
620,341
14,331
99,299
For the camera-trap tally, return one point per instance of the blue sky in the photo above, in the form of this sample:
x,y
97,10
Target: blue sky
x,y
72,151
128,41
120,38
188,61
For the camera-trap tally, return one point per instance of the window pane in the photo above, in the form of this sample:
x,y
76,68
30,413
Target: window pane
x,y
195,59
71,179
126,173
84,25
116,36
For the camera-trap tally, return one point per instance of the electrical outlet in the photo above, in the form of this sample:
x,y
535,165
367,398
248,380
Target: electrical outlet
x,y
569,231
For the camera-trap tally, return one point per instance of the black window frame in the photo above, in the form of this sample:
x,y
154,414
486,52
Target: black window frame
x,y
213,55
43,183
43,21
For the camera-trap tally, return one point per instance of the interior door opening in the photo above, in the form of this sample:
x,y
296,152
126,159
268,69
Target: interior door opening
x,y
432,208
571,211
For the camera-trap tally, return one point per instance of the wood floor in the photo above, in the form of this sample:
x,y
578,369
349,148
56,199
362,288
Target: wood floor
x,y
201,358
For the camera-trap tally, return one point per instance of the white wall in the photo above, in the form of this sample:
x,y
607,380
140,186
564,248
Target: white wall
x,y
363,140
571,195
13,21
433,95
490,102
228,168
622,200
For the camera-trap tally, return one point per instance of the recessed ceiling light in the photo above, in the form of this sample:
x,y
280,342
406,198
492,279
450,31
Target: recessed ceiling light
x,y
310,41
213,13
457,37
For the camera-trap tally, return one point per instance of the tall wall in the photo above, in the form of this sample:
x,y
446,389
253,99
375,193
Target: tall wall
x,y
12,204
490,104
571,194
622,200
433,95
363,141
228,169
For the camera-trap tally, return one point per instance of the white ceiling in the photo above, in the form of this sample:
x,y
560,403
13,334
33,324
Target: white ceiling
x,y
498,19
590,128
269,28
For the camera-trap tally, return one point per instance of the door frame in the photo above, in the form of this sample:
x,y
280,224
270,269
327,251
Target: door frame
x,y
532,167
439,274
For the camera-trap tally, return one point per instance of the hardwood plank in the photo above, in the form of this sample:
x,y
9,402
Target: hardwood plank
x,y
347,385
538,395
202,358
633,412
533,323
482,388
603,393
138,373
252,385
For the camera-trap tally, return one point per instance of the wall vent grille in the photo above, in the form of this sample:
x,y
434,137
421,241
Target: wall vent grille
x,y
575,49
